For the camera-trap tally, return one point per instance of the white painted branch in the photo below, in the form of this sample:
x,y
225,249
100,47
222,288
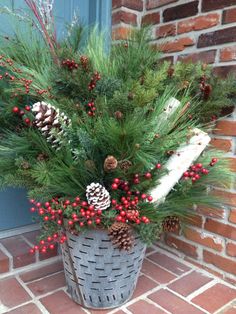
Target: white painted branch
x,y
178,163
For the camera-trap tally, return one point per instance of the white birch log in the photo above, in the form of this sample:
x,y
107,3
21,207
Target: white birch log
x,y
185,155
171,105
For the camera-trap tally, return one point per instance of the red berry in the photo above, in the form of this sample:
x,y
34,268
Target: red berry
x,y
67,202
51,246
214,160
197,177
194,179
199,165
81,224
49,239
114,186
47,204
27,108
91,207
119,218
123,213
113,202
59,222
32,251
98,220
21,113
148,175
186,174
36,247
70,222
158,166
42,242
46,218
84,203
99,211
15,109
89,222
32,209
27,120
143,196
149,198
116,180
77,199
136,181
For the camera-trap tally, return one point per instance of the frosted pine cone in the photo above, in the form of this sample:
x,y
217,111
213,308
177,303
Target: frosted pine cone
x,y
51,123
98,196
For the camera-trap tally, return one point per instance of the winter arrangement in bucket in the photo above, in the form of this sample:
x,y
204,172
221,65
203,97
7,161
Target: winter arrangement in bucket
x,y
109,144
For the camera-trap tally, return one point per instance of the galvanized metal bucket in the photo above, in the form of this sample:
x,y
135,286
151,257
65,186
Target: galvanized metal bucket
x,y
99,275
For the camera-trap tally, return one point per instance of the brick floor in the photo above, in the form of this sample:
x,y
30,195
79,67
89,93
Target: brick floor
x,y
167,285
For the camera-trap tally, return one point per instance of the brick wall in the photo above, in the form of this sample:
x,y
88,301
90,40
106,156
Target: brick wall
x,y
199,30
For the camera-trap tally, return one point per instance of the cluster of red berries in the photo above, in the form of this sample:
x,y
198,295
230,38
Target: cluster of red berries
x,y
70,64
195,171
22,112
69,213
92,109
147,175
128,209
96,77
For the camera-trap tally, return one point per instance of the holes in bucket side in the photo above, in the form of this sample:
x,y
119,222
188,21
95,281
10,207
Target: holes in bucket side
x,y
84,266
108,299
122,296
71,247
116,255
116,268
87,238
103,248
102,276
108,263
106,240
99,268
119,275
90,298
72,240
79,278
83,252
114,297
108,289
77,257
86,245
99,299
124,286
98,282
98,255
92,262
88,274
84,297
127,277
95,289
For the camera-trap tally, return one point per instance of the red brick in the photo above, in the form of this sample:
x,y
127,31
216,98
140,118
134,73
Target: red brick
x,y
232,164
151,4
231,310
178,45
221,144
143,307
232,216
120,33
228,54
203,239
216,213
25,309
131,4
169,263
225,127
172,303
166,30
218,37
47,284
189,283
180,11
226,197
19,250
151,19
32,236
220,228
188,249
215,297
60,303
209,5
42,271
203,56
195,220
12,293
198,23
156,272
224,71
221,262
231,249
144,284
229,16
4,263
125,17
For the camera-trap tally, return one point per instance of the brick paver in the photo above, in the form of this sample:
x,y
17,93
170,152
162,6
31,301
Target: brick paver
x,y
166,285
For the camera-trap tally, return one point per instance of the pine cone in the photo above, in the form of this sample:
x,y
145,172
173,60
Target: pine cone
x,y
42,157
98,196
110,163
125,165
118,115
171,224
50,122
25,165
121,235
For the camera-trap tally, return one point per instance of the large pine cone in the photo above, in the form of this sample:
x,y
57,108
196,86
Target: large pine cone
x,y
98,196
121,235
171,224
50,122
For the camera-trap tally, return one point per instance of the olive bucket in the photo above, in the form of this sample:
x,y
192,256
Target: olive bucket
x,y
98,275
